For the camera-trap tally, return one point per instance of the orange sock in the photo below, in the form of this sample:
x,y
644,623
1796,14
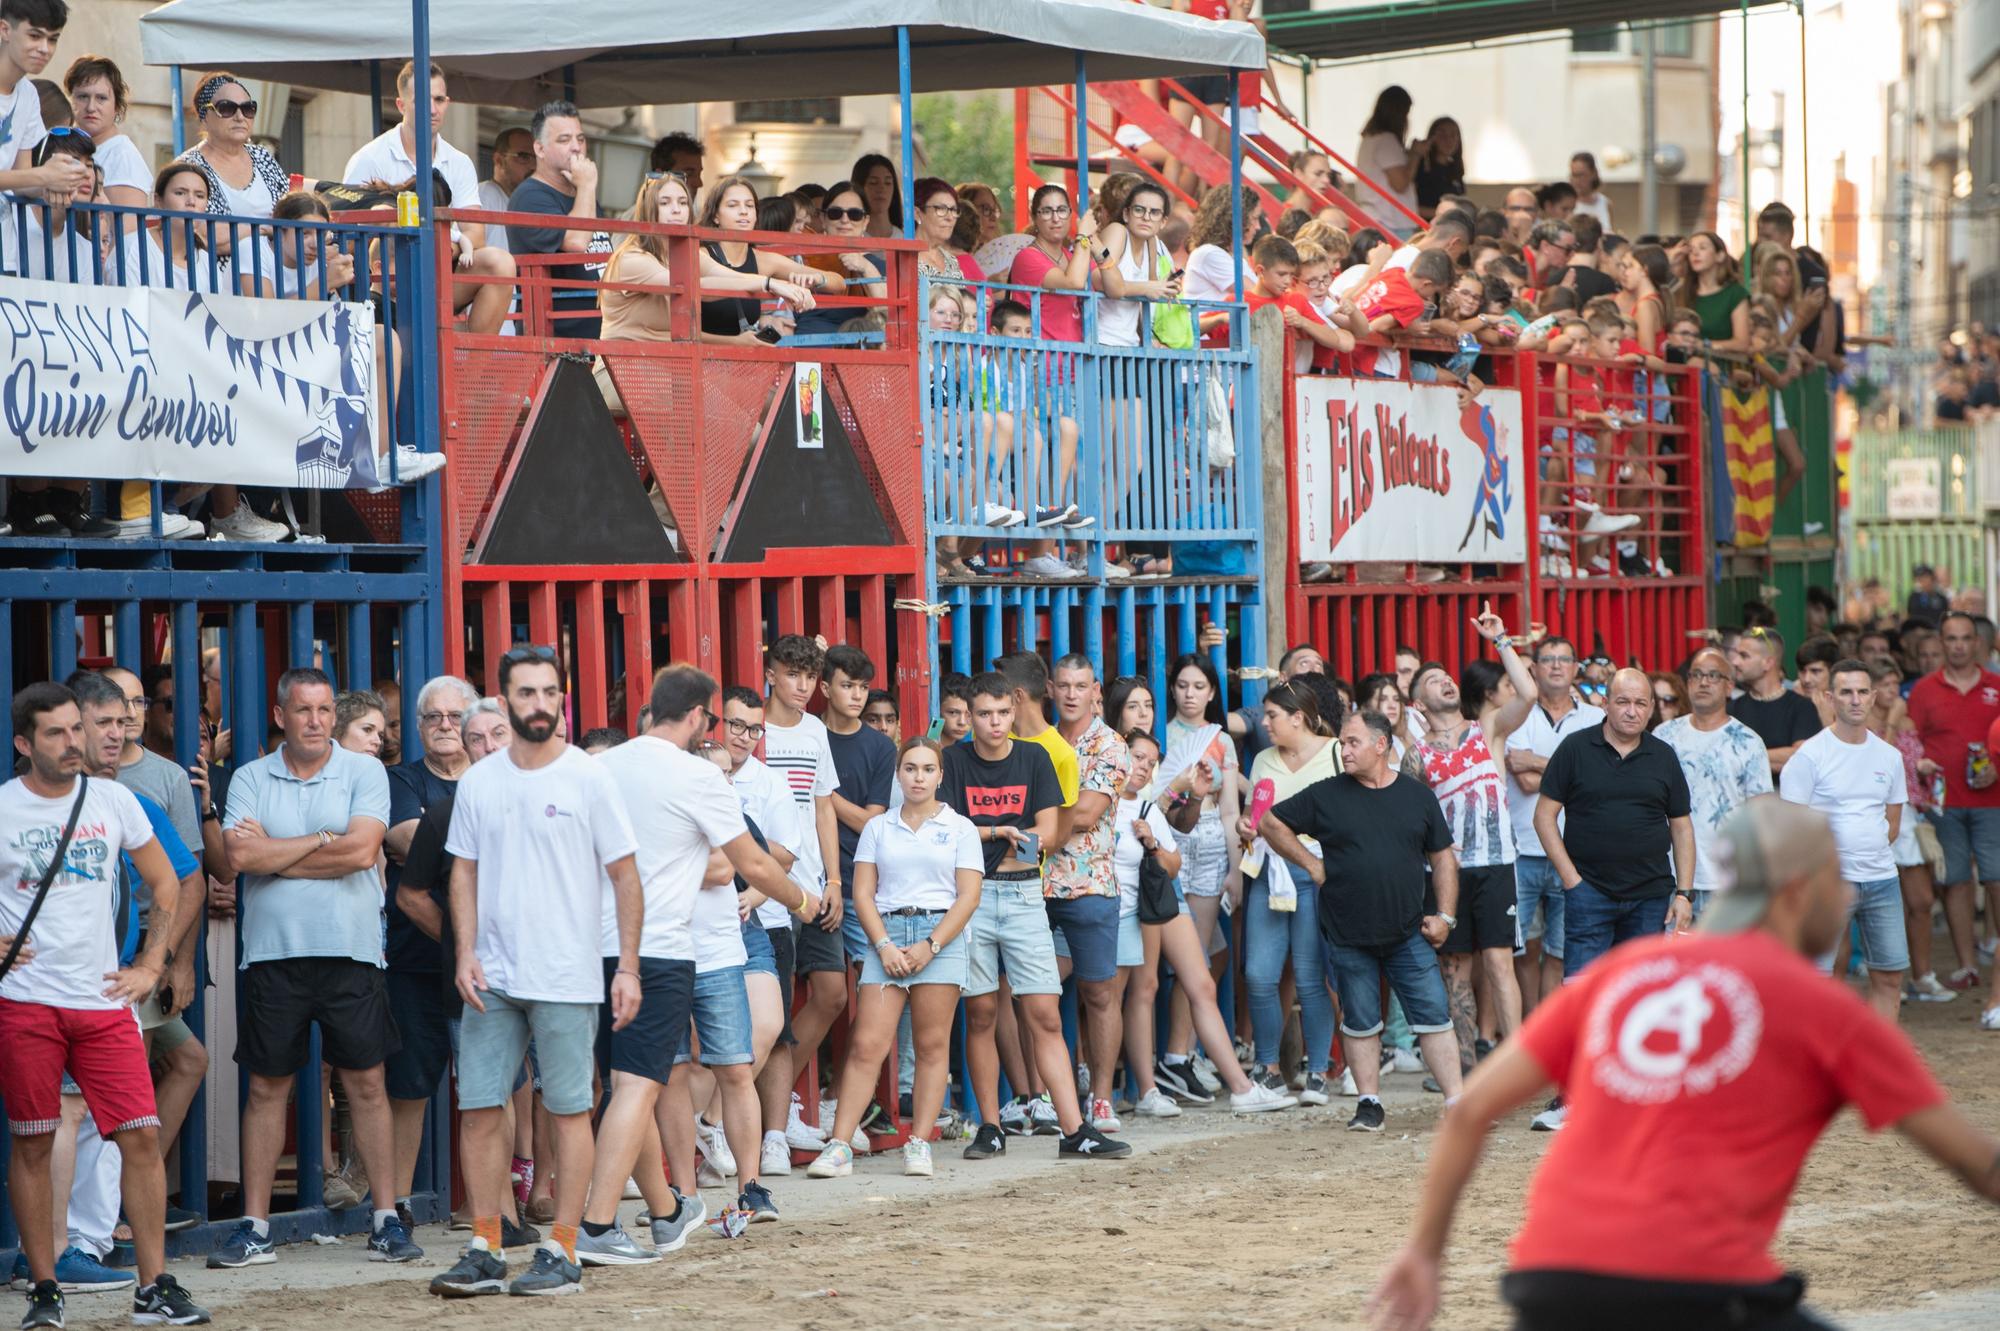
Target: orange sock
x,y
487,1228
565,1237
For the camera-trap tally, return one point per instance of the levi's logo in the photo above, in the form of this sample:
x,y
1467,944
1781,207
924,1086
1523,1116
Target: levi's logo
x,y
995,801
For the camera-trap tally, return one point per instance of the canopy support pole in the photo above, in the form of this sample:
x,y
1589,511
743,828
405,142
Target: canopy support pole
x,y
1237,330
180,110
569,83
1805,140
423,289
1082,132
375,95
1749,237
909,132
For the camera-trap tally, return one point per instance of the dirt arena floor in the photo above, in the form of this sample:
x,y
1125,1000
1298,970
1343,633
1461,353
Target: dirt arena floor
x,y
1280,1221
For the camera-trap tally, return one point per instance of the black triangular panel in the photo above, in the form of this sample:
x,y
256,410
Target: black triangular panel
x,y
575,496
802,497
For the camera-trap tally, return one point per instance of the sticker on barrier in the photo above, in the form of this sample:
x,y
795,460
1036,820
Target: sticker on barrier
x,y
1396,471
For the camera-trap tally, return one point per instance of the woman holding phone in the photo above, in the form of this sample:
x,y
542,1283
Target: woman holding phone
x,y
916,883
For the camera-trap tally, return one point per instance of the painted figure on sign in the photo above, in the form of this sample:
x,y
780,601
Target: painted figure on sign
x,y
808,409
1493,498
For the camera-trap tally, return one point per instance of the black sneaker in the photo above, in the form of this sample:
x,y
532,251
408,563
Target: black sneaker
x,y
1177,1080
165,1303
476,1272
1480,1050
407,1216
178,1219
514,1234
756,1199
1273,1080
986,1143
30,516
67,507
1087,1143
1368,1117
904,1108
45,1306
874,1118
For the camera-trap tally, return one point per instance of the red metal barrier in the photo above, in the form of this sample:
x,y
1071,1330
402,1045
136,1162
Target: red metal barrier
x,y
691,555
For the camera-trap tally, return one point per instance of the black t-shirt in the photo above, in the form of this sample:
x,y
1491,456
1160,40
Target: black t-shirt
x,y
1434,182
413,788
427,868
1006,792
1375,844
1590,283
1780,722
1809,269
537,196
1927,606
865,763
1615,811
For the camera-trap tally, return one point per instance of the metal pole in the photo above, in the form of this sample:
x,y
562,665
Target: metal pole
x,y
180,110
1649,137
909,131
375,95
1747,238
1082,140
423,290
1805,142
1238,332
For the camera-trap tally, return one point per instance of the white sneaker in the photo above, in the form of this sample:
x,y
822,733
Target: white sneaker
x,y
1406,1060
917,1158
1604,524
632,1193
836,1161
776,1155
1987,947
173,527
412,466
1204,1072
1082,1081
859,1141
1551,1118
1347,1086
999,515
1989,1020
1103,1117
1046,566
1156,1104
244,525
714,1146
1557,566
1259,1099
1042,1111
1926,989
800,1135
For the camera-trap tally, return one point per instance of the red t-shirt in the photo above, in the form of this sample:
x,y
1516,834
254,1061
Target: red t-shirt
x,y
1062,316
1947,721
1586,394
1296,300
1390,293
1698,1072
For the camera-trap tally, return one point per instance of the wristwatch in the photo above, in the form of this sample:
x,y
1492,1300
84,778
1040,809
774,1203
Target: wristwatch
x,y
1683,892
932,940
1450,921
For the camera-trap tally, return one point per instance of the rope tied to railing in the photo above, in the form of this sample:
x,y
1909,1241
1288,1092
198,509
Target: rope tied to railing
x,y
917,606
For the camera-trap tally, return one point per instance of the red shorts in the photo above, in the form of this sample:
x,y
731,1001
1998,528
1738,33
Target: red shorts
x,y
103,1052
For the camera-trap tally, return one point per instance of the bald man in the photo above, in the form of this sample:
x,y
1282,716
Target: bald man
x,y
1522,213
1724,760
1702,1070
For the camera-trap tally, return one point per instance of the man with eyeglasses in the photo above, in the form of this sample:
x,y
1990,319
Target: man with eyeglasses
x,y
1557,714
1723,759
1547,251
1521,214
513,162
1782,717
416,961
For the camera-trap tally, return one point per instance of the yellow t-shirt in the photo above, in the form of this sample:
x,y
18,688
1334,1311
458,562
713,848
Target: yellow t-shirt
x,y
1063,757
1270,766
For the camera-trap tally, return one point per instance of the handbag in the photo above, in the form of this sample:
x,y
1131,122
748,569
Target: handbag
x,y
1221,423
1157,902
48,877
1173,320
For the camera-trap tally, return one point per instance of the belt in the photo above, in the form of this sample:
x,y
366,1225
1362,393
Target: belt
x,y
912,910
1015,876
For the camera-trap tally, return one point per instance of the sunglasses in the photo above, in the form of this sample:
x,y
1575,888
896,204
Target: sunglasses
x,y
228,109
74,142
528,652
845,214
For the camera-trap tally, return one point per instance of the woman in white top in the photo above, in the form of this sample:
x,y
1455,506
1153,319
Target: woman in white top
x,y
915,886
1583,178
97,101
1281,915
1386,158
1134,267
1143,831
244,179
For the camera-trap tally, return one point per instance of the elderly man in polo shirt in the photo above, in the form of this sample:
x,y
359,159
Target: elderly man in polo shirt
x,y
392,157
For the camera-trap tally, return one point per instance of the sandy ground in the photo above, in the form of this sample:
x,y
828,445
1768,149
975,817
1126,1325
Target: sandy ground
x,y
1277,1221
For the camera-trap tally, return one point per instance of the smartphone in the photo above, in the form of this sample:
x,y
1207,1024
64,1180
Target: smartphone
x,y
1029,847
768,334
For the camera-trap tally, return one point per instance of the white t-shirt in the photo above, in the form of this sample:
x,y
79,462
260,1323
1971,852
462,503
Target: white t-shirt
x,y
768,803
1128,851
123,164
1211,273
76,935
208,276
803,760
1599,207
21,129
1402,258
383,158
70,257
1378,155
1538,735
494,200
718,929
1853,785
681,807
917,867
540,838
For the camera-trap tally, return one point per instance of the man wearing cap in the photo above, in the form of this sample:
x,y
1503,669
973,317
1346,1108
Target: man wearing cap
x,y
1700,1070
1927,600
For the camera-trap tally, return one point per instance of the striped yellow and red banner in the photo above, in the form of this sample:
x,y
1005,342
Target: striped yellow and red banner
x,y
1753,465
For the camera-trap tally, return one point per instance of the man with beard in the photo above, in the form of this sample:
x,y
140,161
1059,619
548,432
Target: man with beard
x,y
533,830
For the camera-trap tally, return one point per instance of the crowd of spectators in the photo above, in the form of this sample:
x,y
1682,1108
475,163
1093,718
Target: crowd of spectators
x,y
1965,381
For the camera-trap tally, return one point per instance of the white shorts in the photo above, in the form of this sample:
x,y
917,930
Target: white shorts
x,y
1906,849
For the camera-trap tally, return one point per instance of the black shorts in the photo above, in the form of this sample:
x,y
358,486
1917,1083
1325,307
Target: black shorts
x,y
1486,914
282,999
786,952
1212,89
646,1047
416,1070
1583,1301
818,949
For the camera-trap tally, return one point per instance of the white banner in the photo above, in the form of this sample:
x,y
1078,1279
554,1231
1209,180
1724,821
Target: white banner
x,y
135,383
1400,472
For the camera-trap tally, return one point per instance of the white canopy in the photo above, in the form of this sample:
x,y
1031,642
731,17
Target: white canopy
x,y
642,52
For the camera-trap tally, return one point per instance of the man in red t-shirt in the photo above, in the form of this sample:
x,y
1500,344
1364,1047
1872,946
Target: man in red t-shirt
x,y
1954,709
1699,1070
1397,299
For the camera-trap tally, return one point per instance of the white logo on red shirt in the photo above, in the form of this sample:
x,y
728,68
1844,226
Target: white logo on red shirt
x,y
1660,1031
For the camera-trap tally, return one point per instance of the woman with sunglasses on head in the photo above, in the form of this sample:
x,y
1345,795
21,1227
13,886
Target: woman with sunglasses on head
x,y
1670,698
244,179
862,270
731,205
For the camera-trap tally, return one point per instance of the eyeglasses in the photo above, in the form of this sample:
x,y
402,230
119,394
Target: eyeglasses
x,y
229,110
845,214
137,704
1555,660
1146,214
748,729
1666,700
1058,210
1707,677
453,719
942,209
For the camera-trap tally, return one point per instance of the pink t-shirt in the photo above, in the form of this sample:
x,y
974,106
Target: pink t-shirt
x,y
1062,316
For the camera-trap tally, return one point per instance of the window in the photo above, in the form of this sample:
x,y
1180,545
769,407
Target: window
x,y
1595,41
292,134
1674,40
791,111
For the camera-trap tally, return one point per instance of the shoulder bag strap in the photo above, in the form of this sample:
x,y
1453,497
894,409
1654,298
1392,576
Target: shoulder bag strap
x,y
48,878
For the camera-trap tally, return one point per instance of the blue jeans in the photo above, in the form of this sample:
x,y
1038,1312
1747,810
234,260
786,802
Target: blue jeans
x,y
1272,936
1411,968
1885,940
1596,923
1536,884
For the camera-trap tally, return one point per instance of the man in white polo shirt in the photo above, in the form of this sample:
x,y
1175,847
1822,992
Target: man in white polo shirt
x,y
392,157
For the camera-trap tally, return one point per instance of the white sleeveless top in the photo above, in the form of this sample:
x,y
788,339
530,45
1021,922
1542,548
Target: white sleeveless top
x,y
1118,320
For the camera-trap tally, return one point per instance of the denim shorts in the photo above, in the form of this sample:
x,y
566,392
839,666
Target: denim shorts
x,y
1011,930
493,1043
1204,856
757,943
1885,941
1131,939
721,1019
1538,895
853,936
1411,968
1087,933
1968,835
947,967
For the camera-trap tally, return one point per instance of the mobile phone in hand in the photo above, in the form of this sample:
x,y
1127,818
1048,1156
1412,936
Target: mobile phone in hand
x,y
1029,847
